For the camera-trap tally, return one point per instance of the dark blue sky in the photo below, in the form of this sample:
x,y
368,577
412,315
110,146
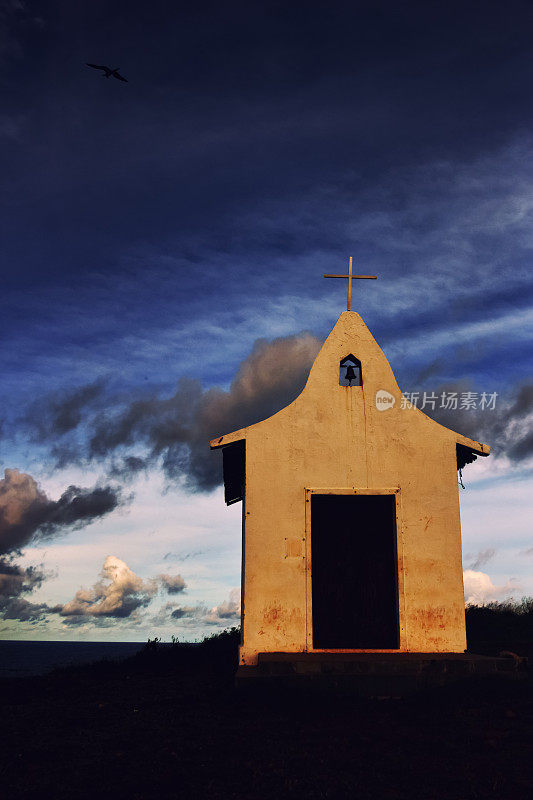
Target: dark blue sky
x,y
254,147
250,143
153,230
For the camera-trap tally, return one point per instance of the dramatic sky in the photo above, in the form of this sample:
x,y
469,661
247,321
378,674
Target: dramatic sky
x,y
162,246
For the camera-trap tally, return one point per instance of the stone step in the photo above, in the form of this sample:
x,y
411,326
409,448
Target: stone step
x,y
377,673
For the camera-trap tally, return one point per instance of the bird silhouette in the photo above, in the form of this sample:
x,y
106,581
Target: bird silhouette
x,y
108,72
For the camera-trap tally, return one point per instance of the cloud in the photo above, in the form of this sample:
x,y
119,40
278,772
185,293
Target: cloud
x,y
63,411
118,593
431,369
187,611
523,448
228,610
177,429
26,513
517,425
127,468
481,558
479,588
183,556
224,614
16,581
174,584
25,611
508,428
174,431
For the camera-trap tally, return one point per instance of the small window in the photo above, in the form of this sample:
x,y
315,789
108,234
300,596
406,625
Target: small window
x,y
234,463
350,372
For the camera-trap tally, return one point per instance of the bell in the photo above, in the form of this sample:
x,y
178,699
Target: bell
x,y
350,374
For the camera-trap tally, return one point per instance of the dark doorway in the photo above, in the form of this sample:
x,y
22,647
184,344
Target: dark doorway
x,y
354,572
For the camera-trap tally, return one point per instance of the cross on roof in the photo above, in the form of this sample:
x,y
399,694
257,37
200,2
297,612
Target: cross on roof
x,y
350,276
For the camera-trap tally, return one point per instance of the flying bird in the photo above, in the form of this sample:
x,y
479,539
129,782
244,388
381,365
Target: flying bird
x,y
108,72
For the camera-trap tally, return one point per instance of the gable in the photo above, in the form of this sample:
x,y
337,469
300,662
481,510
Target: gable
x,y
327,408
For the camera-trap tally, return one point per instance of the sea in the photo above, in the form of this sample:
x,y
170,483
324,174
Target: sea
x,y
23,658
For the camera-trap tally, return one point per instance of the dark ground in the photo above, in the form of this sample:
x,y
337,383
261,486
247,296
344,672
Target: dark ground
x,y
169,723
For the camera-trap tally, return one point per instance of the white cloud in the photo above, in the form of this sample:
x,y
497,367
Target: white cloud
x,y
199,529
119,592
479,588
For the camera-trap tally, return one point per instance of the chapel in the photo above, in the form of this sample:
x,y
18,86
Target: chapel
x,y
351,534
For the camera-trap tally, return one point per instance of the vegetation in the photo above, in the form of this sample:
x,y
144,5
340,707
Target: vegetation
x,y
216,653
169,722
500,626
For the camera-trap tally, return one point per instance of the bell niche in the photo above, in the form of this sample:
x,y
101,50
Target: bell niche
x,y
350,373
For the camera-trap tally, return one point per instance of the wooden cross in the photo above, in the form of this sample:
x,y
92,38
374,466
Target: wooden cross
x,y
350,276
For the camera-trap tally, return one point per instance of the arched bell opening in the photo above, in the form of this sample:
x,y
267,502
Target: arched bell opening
x,y
350,371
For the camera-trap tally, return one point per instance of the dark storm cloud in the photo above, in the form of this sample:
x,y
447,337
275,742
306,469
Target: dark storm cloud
x,y
18,608
518,418
28,514
177,429
186,611
62,412
16,581
522,449
508,428
126,468
523,403
430,370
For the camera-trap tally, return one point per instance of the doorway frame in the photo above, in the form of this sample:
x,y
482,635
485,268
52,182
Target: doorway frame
x,y
394,490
